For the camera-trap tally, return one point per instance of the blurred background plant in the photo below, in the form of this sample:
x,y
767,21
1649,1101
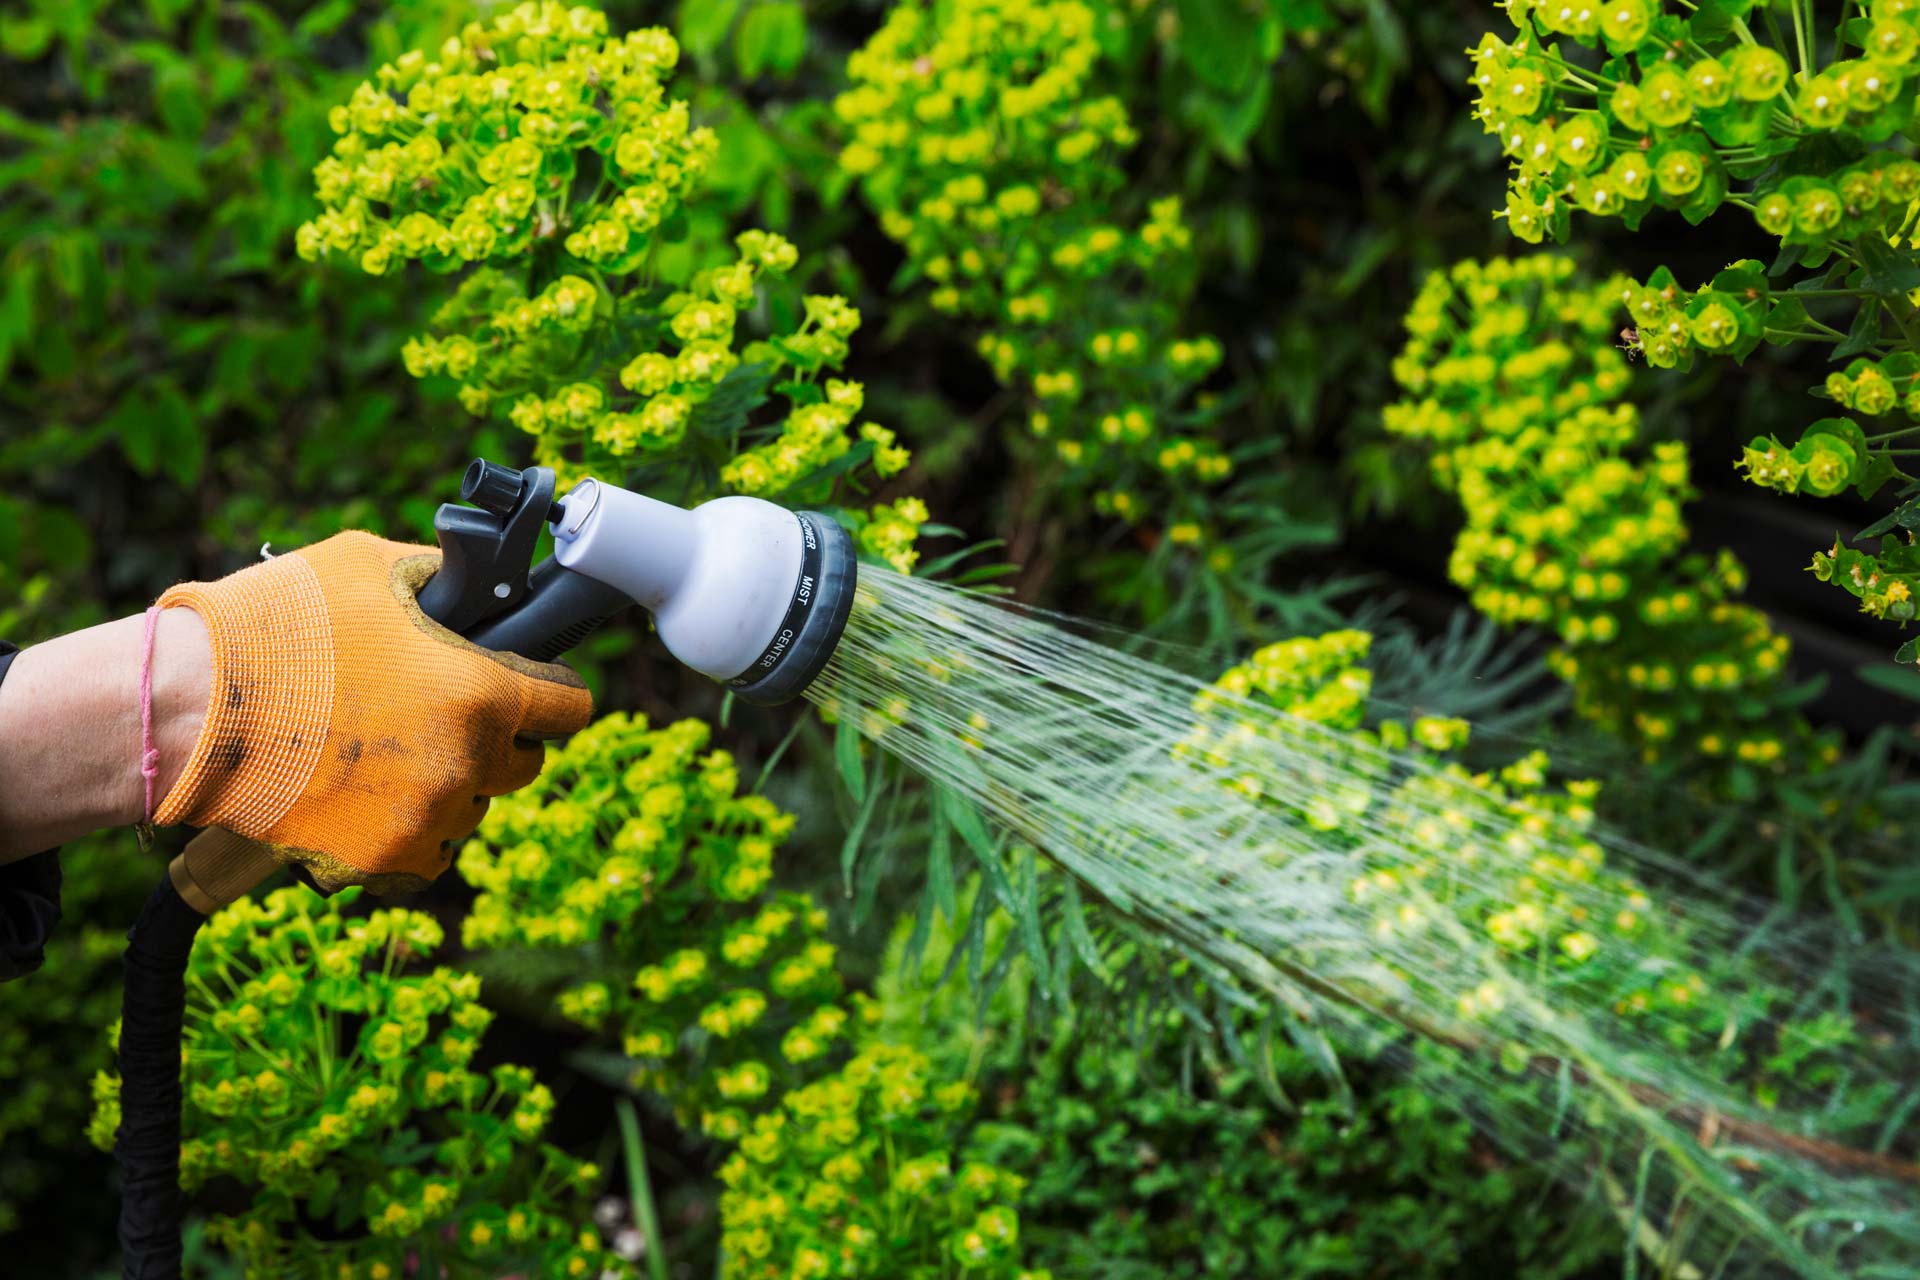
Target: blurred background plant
x,y
1224,212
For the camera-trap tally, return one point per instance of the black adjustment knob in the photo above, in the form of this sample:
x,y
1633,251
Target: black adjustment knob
x,y
491,487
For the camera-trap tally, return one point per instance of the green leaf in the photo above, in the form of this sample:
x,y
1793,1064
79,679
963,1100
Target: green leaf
x,y
1904,516
1908,652
1889,270
1875,474
1788,316
1741,124
1789,256
1219,42
940,864
1903,682
1864,332
152,425
1746,277
1845,430
1708,196
183,445
1301,16
324,19
25,39
1076,931
178,97
967,821
850,848
772,37
1026,910
846,751
703,24
724,412
1230,119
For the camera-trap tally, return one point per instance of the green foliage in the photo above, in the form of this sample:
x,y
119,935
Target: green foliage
x,y
336,1084
1134,1173
1084,196
1505,857
1224,69
1146,1153
633,853
164,361
1438,873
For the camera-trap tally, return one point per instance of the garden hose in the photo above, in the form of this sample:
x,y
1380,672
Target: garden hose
x,y
215,869
741,590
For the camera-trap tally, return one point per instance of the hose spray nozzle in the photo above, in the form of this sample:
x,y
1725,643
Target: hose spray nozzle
x,y
740,589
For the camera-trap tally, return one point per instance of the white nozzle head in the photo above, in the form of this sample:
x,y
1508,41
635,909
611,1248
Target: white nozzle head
x,y
741,590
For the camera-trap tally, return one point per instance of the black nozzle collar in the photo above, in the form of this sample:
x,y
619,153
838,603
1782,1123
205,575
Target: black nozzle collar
x,y
815,619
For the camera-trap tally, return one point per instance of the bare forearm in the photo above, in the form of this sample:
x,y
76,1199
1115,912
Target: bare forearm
x,y
70,739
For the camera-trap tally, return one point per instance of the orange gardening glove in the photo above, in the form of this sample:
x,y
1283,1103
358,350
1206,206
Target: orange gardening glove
x,y
347,731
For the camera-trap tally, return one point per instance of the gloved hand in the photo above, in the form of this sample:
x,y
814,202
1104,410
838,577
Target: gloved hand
x,y
348,732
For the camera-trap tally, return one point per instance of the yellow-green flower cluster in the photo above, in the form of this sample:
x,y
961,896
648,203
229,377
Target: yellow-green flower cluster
x,y
1612,108
316,1042
1504,853
470,153
623,818
635,849
1732,315
549,156
974,132
1320,684
1573,518
853,1175
1885,584
1831,455
888,530
1315,678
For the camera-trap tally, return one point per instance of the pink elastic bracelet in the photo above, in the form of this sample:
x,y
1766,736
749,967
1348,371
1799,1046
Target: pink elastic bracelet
x,y
149,754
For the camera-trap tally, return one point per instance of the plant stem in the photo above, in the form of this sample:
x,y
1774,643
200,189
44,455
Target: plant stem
x,y
1802,42
639,1189
1773,28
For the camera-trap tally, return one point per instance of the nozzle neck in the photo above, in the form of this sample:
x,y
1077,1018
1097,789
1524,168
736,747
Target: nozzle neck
x,y
643,546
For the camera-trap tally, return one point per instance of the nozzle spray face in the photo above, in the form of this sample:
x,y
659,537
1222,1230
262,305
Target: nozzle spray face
x,y
744,591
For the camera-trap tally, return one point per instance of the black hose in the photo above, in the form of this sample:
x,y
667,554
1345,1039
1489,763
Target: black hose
x,y
153,1006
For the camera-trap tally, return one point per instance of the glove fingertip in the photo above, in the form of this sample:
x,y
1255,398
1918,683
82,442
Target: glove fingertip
x,y
555,709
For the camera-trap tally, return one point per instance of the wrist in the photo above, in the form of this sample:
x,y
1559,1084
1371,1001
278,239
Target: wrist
x,y
182,690
70,732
